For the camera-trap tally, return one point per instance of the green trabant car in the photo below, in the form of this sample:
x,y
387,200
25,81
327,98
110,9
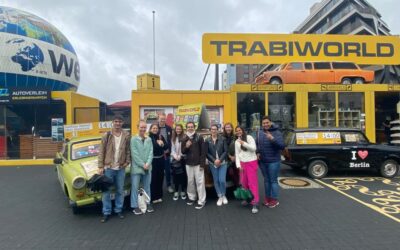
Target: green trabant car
x,y
75,165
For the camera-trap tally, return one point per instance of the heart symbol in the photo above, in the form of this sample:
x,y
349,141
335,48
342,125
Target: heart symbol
x,y
362,154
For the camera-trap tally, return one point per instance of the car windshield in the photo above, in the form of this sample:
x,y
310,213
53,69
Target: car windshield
x,y
84,149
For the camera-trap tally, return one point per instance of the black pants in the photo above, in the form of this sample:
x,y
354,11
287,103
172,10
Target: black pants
x,y
180,180
157,178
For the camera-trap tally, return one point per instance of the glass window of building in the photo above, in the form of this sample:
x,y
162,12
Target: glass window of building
x,y
385,111
246,67
255,66
250,109
282,109
351,110
246,76
321,110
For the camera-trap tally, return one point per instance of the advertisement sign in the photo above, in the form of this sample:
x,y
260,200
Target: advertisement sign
x,y
87,129
196,113
57,129
21,55
223,48
25,95
318,138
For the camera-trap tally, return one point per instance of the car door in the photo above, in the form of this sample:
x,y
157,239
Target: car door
x,y
323,73
357,152
294,73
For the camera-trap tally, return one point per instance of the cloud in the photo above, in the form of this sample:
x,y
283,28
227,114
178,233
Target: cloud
x,y
114,39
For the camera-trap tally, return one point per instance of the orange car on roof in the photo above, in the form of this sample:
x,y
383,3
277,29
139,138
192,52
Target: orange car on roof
x,y
317,72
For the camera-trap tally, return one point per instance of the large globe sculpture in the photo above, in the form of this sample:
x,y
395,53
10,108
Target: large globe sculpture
x,y
34,54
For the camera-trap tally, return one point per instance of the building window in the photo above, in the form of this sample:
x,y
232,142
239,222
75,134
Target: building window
x,y
255,66
281,109
250,109
351,110
321,110
246,76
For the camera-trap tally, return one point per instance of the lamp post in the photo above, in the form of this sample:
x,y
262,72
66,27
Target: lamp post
x,y
154,42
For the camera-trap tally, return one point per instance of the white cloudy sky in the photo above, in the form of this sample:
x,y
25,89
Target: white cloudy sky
x,y
113,39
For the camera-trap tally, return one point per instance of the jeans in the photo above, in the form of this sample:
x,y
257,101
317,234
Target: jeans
x,y
167,165
136,178
219,177
270,172
118,177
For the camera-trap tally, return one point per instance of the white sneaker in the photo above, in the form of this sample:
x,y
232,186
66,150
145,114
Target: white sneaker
x,y
157,201
254,210
219,202
224,200
176,196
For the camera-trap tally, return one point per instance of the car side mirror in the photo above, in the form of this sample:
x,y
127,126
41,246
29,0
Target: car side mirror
x,y
58,161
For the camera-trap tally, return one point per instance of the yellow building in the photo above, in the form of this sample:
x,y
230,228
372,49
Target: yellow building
x,y
362,106
26,128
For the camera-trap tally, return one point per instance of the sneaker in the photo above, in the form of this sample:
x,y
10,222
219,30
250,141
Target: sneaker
x,y
120,215
244,203
150,208
176,196
137,211
224,200
267,201
273,203
183,195
170,189
219,202
157,201
190,202
199,205
104,218
254,210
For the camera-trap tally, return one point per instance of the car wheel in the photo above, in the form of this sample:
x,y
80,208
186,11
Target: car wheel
x,y
389,168
275,80
317,169
359,80
75,209
346,80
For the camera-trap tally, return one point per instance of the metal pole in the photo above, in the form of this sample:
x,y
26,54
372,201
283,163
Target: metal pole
x,y
216,79
204,78
154,42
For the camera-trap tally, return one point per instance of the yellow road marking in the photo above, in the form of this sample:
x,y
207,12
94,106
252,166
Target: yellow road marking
x,y
377,209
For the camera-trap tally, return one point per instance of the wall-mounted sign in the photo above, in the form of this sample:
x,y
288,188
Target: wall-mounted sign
x,y
266,87
87,129
57,129
336,87
25,95
282,48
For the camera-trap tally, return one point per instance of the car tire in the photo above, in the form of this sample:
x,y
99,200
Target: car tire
x,y
389,168
346,80
359,80
275,80
75,209
317,169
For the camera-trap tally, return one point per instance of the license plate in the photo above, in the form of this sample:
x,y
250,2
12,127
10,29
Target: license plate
x,y
112,195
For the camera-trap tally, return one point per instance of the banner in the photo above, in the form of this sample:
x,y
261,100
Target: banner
x,y
219,48
196,113
87,129
318,138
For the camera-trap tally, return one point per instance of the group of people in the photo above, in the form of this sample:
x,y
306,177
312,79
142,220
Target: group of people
x,y
184,156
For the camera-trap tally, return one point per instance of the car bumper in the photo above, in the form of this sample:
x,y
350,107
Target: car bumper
x,y
94,198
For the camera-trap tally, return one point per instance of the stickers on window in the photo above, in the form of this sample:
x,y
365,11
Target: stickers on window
x,y
350,138
318,138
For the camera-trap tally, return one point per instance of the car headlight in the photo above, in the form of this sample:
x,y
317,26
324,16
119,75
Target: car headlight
x,y
78,182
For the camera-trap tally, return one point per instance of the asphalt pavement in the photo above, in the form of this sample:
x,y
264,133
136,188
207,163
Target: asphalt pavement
x,y
35,215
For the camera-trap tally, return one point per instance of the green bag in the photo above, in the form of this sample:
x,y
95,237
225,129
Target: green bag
x,y
243,194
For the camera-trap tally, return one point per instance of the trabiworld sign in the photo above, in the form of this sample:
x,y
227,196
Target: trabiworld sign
x,y
283,48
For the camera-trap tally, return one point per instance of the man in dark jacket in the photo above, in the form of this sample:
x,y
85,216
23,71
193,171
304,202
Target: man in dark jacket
x,y
193,147
166,132
269,145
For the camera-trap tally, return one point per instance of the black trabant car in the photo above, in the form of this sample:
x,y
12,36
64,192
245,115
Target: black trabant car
x,y
321,149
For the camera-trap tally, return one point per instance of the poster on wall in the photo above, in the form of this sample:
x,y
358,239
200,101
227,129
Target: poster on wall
x,y
196,113
57,129
150,114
